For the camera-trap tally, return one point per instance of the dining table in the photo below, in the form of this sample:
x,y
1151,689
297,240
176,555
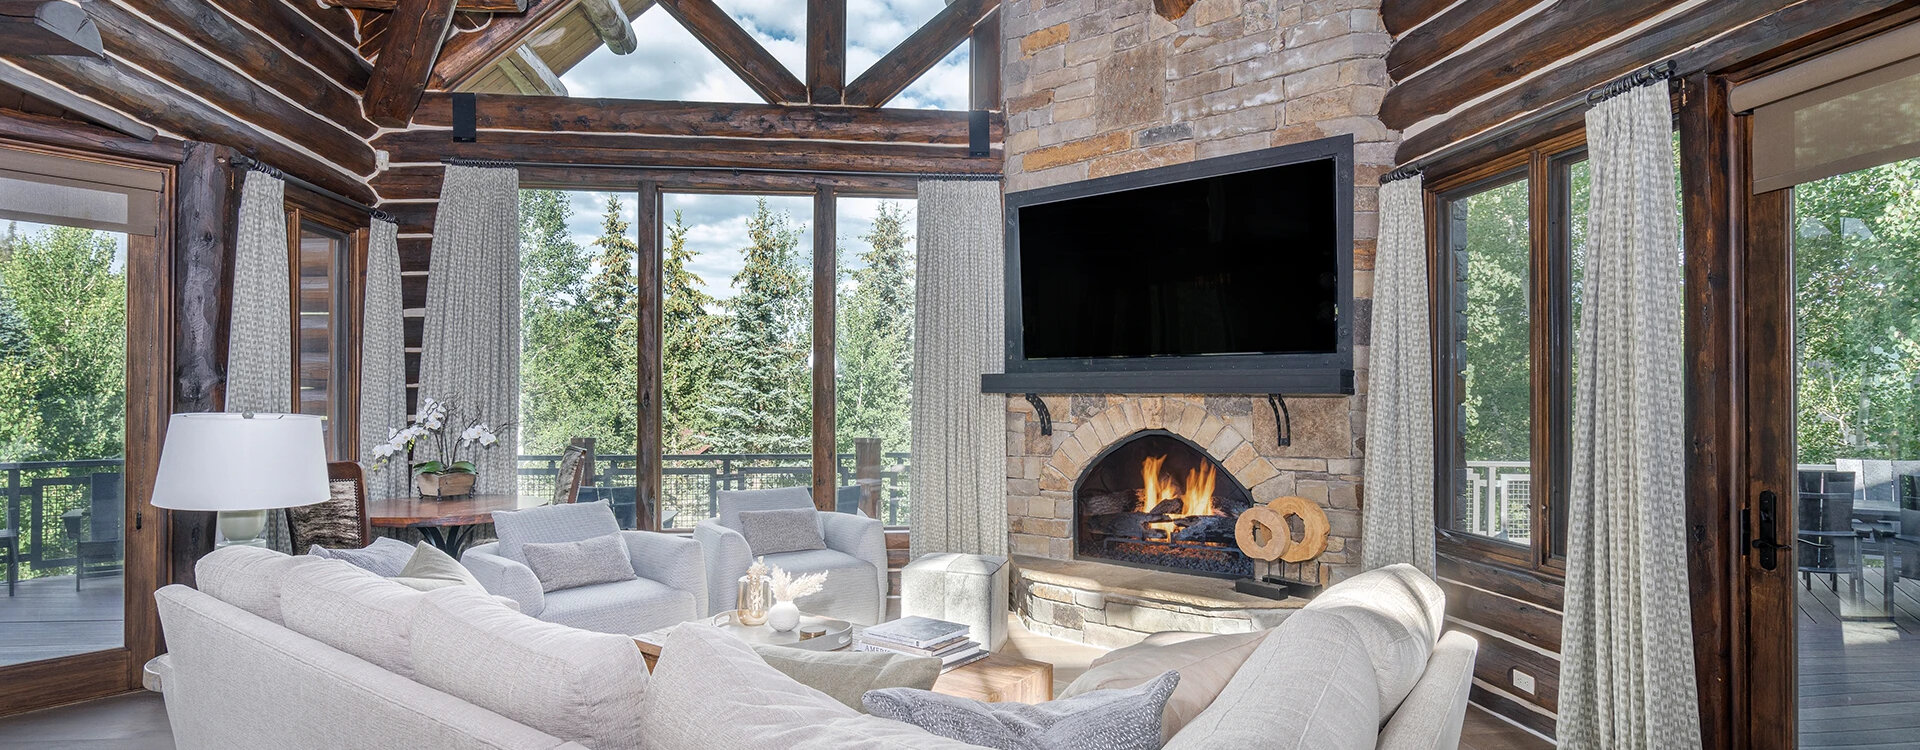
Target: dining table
x,y
446,524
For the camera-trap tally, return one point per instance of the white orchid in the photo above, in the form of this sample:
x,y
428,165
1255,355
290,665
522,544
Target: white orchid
x,y
432,422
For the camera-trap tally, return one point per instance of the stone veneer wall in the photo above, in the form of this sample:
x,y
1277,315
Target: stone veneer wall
x,y
1102,87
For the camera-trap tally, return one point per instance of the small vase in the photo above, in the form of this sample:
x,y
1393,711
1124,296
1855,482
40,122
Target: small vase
x,y
784,616
756,597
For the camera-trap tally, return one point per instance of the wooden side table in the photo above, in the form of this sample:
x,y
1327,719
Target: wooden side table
x,y
999,678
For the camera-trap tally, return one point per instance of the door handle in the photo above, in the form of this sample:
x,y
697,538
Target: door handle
x,y
1763,542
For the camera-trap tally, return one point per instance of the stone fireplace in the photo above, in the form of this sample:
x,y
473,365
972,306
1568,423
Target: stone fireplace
x,y
1153,499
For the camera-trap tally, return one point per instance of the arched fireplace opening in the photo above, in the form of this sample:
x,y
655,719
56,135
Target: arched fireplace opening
x,y
1156,500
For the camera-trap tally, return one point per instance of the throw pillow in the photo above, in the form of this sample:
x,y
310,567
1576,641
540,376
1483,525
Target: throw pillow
x,y
430,569
1126,719
847,675
567,565
1205,665
384,557
709,689
247,577
771,532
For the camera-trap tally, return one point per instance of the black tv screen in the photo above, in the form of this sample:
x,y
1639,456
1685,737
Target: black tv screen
x,y
1246,263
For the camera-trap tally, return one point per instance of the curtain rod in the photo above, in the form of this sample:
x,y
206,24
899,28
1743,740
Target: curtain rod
x,y
242,161
500,163
1660,71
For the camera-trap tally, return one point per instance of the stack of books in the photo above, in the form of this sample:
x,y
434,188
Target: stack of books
x,y
923,636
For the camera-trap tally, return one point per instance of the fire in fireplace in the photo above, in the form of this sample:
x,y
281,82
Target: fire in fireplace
x,y
1155,500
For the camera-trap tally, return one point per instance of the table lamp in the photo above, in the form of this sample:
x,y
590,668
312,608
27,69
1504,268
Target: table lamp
x,y
241,465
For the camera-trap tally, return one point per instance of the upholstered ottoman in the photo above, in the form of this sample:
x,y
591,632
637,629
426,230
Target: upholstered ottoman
x,y
967,589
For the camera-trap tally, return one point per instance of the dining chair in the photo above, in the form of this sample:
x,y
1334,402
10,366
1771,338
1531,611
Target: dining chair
x,y
567,479
340,522
1828,542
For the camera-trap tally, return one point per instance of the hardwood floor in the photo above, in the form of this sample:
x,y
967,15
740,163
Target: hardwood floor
x,y
47,618
1484,731
1859,664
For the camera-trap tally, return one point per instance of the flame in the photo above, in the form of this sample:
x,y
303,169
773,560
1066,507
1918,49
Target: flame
x,y
1195,495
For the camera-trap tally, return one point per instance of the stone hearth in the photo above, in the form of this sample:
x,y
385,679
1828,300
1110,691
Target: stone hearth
x,y
1112,605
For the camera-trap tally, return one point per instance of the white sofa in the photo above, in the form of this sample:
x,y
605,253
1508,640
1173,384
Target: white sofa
x,y
360,664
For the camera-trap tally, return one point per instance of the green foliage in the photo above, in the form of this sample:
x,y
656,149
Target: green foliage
x,y
689,347
1857,303
874,385
1497,397
762,396
577,360
63,323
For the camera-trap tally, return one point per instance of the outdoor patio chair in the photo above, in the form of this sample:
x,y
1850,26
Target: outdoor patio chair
x,y
100,549
855,558
10,547
341,521
1828,542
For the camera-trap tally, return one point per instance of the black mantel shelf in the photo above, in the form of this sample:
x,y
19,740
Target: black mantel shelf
x,y
1291,382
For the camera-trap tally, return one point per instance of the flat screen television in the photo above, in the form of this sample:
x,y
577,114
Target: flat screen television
x,y
1233,272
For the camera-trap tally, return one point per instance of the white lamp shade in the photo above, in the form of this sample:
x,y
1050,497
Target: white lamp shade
x,y
225,462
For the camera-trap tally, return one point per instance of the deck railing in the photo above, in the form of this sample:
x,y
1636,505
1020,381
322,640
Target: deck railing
x,y
51,507
693,482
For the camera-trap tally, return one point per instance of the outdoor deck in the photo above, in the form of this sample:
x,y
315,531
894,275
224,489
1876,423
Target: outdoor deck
x,y
46,618
1859,669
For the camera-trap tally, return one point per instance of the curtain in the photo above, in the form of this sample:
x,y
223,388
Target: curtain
x,y
1627,675
260,337
1397,521
470,355
959,434
383,364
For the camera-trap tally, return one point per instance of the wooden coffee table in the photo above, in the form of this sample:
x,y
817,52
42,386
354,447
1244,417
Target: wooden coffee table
x,y
999,678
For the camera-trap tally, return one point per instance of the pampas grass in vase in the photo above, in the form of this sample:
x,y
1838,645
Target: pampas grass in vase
x,y
785,615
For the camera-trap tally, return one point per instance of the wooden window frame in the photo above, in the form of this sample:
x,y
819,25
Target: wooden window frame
x,y
1551,338
304,207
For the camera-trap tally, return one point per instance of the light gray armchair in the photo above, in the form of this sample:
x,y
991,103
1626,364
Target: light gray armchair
x,y
855,558
671,587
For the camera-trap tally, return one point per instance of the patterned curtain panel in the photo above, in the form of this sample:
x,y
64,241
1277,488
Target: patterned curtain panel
x,y
470,356
260,338
1397,525
959,434
383,363
1627,674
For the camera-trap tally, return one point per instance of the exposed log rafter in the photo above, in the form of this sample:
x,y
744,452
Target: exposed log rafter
x,y
508,112
1400,15
610,22
529,74
465,55
308,36
738,50
47,27
76,104
406,60
826,51
1451,30
897,70
465,6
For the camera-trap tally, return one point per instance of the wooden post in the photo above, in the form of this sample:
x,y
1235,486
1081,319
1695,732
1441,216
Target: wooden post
x,y
587,472
826,50
866,471
825,261
202,241
646,467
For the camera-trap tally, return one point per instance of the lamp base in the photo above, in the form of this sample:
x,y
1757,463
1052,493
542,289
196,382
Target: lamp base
x,y
243,527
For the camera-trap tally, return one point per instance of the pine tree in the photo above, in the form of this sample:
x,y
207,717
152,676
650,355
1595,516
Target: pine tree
x,y
686,349
875,339
761,399
612,291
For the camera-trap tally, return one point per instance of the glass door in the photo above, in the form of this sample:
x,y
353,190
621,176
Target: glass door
x,y
82,391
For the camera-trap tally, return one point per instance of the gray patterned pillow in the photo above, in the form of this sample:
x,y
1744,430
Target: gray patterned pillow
x,y
1127,719
385,557
567,565
770,532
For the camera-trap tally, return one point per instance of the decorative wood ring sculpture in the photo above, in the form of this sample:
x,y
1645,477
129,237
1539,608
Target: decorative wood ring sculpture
x,y
1247,533
1313,520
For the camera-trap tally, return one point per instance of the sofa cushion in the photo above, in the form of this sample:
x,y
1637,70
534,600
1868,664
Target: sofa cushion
x,y
1121,719
1308,685
637,605
247,577
547,524
851,585
847,675
577,685
1205,666
353,610
785,530
430,569
566,565
385,557
710,689
1398,612
729,504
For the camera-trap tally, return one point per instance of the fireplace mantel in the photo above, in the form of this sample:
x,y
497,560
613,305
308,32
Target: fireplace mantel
x,y
1288,382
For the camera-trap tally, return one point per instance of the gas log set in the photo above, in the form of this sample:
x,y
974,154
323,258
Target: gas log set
x,y
1155,500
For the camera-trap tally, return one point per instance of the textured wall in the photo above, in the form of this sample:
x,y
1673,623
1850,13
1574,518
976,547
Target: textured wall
x,y
1096,88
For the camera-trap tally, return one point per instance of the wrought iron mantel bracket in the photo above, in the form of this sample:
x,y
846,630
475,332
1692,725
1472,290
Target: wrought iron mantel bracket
x,y
1040,408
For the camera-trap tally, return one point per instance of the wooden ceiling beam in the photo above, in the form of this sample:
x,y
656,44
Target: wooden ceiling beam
x,y
466,55
1451,30
1545,38
826,51
47,27
610,22
465,6
738,50
406,60
897,70
529,74
599,149
1400,15
78,105
647,117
